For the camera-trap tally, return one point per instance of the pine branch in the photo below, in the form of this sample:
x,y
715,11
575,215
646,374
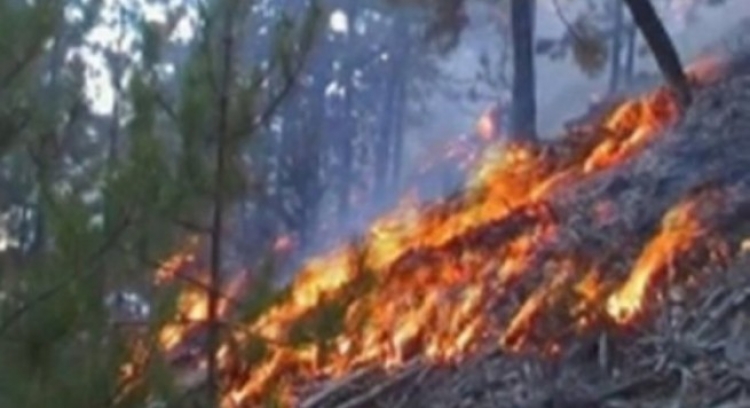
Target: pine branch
x,y
18,68
162,102
45,295
124,387
192,226
197,283
33,52
290,81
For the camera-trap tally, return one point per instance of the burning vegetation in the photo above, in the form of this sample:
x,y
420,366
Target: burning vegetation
x,y
546,245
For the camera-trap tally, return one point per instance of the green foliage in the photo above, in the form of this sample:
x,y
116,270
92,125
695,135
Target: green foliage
x,y
62,335
102,219
194,111
254,350
260,298
70,229
321,326
152,44
58,346
24,30
244,109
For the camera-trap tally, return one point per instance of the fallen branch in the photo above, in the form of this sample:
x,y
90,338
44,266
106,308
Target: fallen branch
x,y
412,369
404,403
336,387
739,404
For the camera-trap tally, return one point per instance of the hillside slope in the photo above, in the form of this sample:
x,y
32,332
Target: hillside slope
x,y
668,227
695,351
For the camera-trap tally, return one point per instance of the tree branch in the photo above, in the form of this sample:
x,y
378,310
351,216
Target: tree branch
x,y
45,295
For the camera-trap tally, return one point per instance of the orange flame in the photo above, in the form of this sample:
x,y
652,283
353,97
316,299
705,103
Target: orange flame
x,y
680,230
438,282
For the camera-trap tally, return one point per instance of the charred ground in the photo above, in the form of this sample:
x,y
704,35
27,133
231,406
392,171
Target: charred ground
x,y
688,346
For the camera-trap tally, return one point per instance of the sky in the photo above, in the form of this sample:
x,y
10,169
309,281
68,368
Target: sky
x,y
111,33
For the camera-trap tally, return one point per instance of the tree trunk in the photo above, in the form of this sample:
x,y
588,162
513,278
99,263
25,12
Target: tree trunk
x,y
217,227
523,116
616,54
348,126
384,147
658,40
397,149
346,136
632,35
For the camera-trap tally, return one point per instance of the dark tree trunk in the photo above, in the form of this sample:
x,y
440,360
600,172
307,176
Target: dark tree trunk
x,y
523,116
618,14
398,133
400,109
348,123
383,142
632,35
346,137
384,146
312,195
658,40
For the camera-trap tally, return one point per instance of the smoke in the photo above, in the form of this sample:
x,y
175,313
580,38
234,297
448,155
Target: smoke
x,y
563,90
440,152
438,173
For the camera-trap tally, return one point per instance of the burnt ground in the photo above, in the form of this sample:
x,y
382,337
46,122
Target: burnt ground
x,y
692,351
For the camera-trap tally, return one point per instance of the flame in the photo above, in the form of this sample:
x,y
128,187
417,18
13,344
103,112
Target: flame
x,y
681,228
439,281
176,265
632,125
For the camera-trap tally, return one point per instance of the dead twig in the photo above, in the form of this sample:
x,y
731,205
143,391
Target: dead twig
x,y
408,373
407,397
335,387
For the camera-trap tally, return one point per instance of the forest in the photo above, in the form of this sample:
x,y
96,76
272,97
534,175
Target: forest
x,y
242,203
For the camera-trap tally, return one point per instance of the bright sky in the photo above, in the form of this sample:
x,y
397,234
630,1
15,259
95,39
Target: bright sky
x,y
113,34
339,21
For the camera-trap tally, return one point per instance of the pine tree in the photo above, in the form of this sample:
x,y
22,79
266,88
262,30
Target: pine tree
x,y
92,227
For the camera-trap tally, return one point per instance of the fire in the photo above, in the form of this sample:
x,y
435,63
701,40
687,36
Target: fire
x,y
680,230
633,125
440,281
175,265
